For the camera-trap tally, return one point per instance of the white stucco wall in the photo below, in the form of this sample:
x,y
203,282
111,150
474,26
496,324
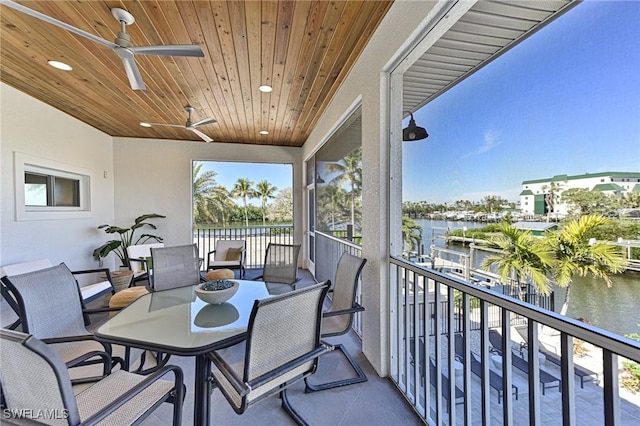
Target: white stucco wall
x,y
34,128
154,176
365,80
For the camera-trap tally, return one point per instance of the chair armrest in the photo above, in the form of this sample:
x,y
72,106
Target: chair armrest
x,y
68,339
145,263
93,271
209,259
352,310
229,374
137,389
80,361
71,339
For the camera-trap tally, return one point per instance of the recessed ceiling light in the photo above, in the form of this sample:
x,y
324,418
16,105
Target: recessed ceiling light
x,y
265,89
145,124
264,132
60,65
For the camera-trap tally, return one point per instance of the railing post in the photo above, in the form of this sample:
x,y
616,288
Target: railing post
x,y
568,385
610,388
466,333
507,409
484,348
534,373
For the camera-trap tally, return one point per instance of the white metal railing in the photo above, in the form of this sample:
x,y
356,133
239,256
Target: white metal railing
x,y
413,340
257,239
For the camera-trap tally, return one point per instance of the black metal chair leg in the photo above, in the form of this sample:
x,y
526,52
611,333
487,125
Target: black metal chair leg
x,y
286,406
360,376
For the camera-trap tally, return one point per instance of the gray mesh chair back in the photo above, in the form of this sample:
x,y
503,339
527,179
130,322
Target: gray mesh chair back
x,y
34,379
50,308
281,263
337,319
282,347
176,266
49,302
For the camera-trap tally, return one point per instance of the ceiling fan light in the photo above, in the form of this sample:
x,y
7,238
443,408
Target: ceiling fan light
x,y
143,124
265,88
60,65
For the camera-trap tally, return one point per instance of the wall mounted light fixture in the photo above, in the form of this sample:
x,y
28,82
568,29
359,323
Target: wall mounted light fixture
x,y
413,132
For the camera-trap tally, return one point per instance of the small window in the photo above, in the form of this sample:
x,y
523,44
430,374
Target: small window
x,y
49,190
46,189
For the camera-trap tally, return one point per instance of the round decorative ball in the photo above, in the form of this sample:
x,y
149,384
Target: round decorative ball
x,y
219,274
218,291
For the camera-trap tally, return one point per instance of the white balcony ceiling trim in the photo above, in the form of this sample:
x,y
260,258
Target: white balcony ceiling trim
x,y
485,31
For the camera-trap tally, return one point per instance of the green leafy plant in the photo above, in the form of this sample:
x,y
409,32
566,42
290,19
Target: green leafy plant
x,y
126,238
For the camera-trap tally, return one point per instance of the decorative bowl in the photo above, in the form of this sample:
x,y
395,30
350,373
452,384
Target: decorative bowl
x,y
217,291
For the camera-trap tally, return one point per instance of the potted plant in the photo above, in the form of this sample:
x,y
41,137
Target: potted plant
x,y
126,238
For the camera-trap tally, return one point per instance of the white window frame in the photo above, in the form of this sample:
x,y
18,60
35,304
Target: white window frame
x,y
31,164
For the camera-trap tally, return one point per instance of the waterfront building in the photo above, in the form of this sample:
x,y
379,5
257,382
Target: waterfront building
x,y
544,196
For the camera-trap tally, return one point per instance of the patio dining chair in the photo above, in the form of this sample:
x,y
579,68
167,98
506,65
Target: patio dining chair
x,y
34,380
337,320
282,347
175,266
280,267
228,254
88,291
139,256
50,309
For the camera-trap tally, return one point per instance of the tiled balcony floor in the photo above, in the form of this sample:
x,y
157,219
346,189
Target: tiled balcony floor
x,y
375,402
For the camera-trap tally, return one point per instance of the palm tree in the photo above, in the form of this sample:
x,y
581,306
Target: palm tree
x,y
265,191
411,233
349,171
203,187
244,189
576,255
223,203
521,256
332,196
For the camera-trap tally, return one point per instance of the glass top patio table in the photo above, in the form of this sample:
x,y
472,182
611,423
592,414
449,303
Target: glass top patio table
x,y
177,322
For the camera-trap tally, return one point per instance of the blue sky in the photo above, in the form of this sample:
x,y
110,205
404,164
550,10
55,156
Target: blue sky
x,y
565,101
228,174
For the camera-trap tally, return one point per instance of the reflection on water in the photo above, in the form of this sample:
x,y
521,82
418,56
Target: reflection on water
x,y
616,309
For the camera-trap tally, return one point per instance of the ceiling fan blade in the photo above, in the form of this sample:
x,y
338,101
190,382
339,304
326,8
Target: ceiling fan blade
x,y
203,122
169,50
202,135
167,125
57,23
135,78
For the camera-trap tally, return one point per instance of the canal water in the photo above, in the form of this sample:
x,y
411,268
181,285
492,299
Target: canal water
x,y
616,309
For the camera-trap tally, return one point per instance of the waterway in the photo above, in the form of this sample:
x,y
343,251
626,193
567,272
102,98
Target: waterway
x,y
616,309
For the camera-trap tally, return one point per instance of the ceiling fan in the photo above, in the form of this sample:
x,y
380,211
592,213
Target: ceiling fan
x,y
121,45
189,125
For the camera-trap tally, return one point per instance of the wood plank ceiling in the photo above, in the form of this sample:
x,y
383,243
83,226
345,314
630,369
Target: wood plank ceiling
x,y
303,49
